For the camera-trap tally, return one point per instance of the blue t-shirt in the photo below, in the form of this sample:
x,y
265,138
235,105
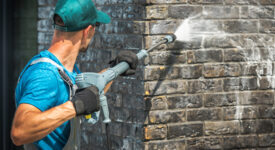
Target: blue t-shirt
x,y
41,85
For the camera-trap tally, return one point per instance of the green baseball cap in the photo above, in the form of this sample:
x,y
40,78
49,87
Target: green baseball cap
x,y
78,14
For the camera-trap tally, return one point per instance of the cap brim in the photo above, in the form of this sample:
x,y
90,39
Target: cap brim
x,y
102,17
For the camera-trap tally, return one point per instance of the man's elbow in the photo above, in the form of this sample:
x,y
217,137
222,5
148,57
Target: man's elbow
x,y
16,137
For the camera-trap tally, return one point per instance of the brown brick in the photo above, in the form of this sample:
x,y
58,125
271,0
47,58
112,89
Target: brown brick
x,y
156,12
156,103
221,70
153,132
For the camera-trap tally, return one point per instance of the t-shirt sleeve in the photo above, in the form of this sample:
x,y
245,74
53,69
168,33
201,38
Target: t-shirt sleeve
x,y
40,89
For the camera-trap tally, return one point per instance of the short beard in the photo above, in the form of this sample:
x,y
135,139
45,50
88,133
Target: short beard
x,y
83,49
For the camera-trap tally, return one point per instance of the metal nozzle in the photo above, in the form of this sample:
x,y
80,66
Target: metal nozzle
x,y
170,38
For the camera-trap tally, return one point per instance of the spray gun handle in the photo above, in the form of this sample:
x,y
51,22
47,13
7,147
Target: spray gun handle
x,y
93,118
105,109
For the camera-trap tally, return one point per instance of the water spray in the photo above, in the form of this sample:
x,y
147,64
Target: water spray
x,y
100,80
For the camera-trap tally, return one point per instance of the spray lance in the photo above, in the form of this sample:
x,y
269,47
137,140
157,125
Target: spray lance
x,y
100,80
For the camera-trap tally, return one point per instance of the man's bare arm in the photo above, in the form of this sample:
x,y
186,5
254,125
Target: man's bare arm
x,y
30,124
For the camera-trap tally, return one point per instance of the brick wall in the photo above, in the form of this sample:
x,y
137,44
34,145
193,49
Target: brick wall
x,y
212,90
215,88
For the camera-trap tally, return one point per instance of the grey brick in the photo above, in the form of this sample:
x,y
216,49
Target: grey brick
x,y
167,116
266,140
190,71
45,12
222,127
47,2
259,97
165,87
186,11
163,26
205,1
267,26
253,41
124,11
218,12
266,112
241,2
166,1
184,130
240,112
265,126
205,143
240,84
221,41
255,12
248,126
204,114
205,86
167,58
214,100
203,56
240,142
241,26
45,25
165,145
184,101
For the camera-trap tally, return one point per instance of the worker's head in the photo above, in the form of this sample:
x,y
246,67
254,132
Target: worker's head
x,y
76,20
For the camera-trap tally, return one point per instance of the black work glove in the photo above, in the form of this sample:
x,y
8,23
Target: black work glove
x,y
129,57
86,101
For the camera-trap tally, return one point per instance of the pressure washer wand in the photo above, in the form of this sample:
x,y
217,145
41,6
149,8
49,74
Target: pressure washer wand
x,y
87,79
166,39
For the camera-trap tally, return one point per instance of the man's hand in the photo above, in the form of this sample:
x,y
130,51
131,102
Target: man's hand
x,y
86,101
129,57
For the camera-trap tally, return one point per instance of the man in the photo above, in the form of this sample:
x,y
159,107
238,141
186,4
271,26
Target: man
x,y
43,93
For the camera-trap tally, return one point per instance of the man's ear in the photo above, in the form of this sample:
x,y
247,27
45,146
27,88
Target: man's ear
x,y
86,31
